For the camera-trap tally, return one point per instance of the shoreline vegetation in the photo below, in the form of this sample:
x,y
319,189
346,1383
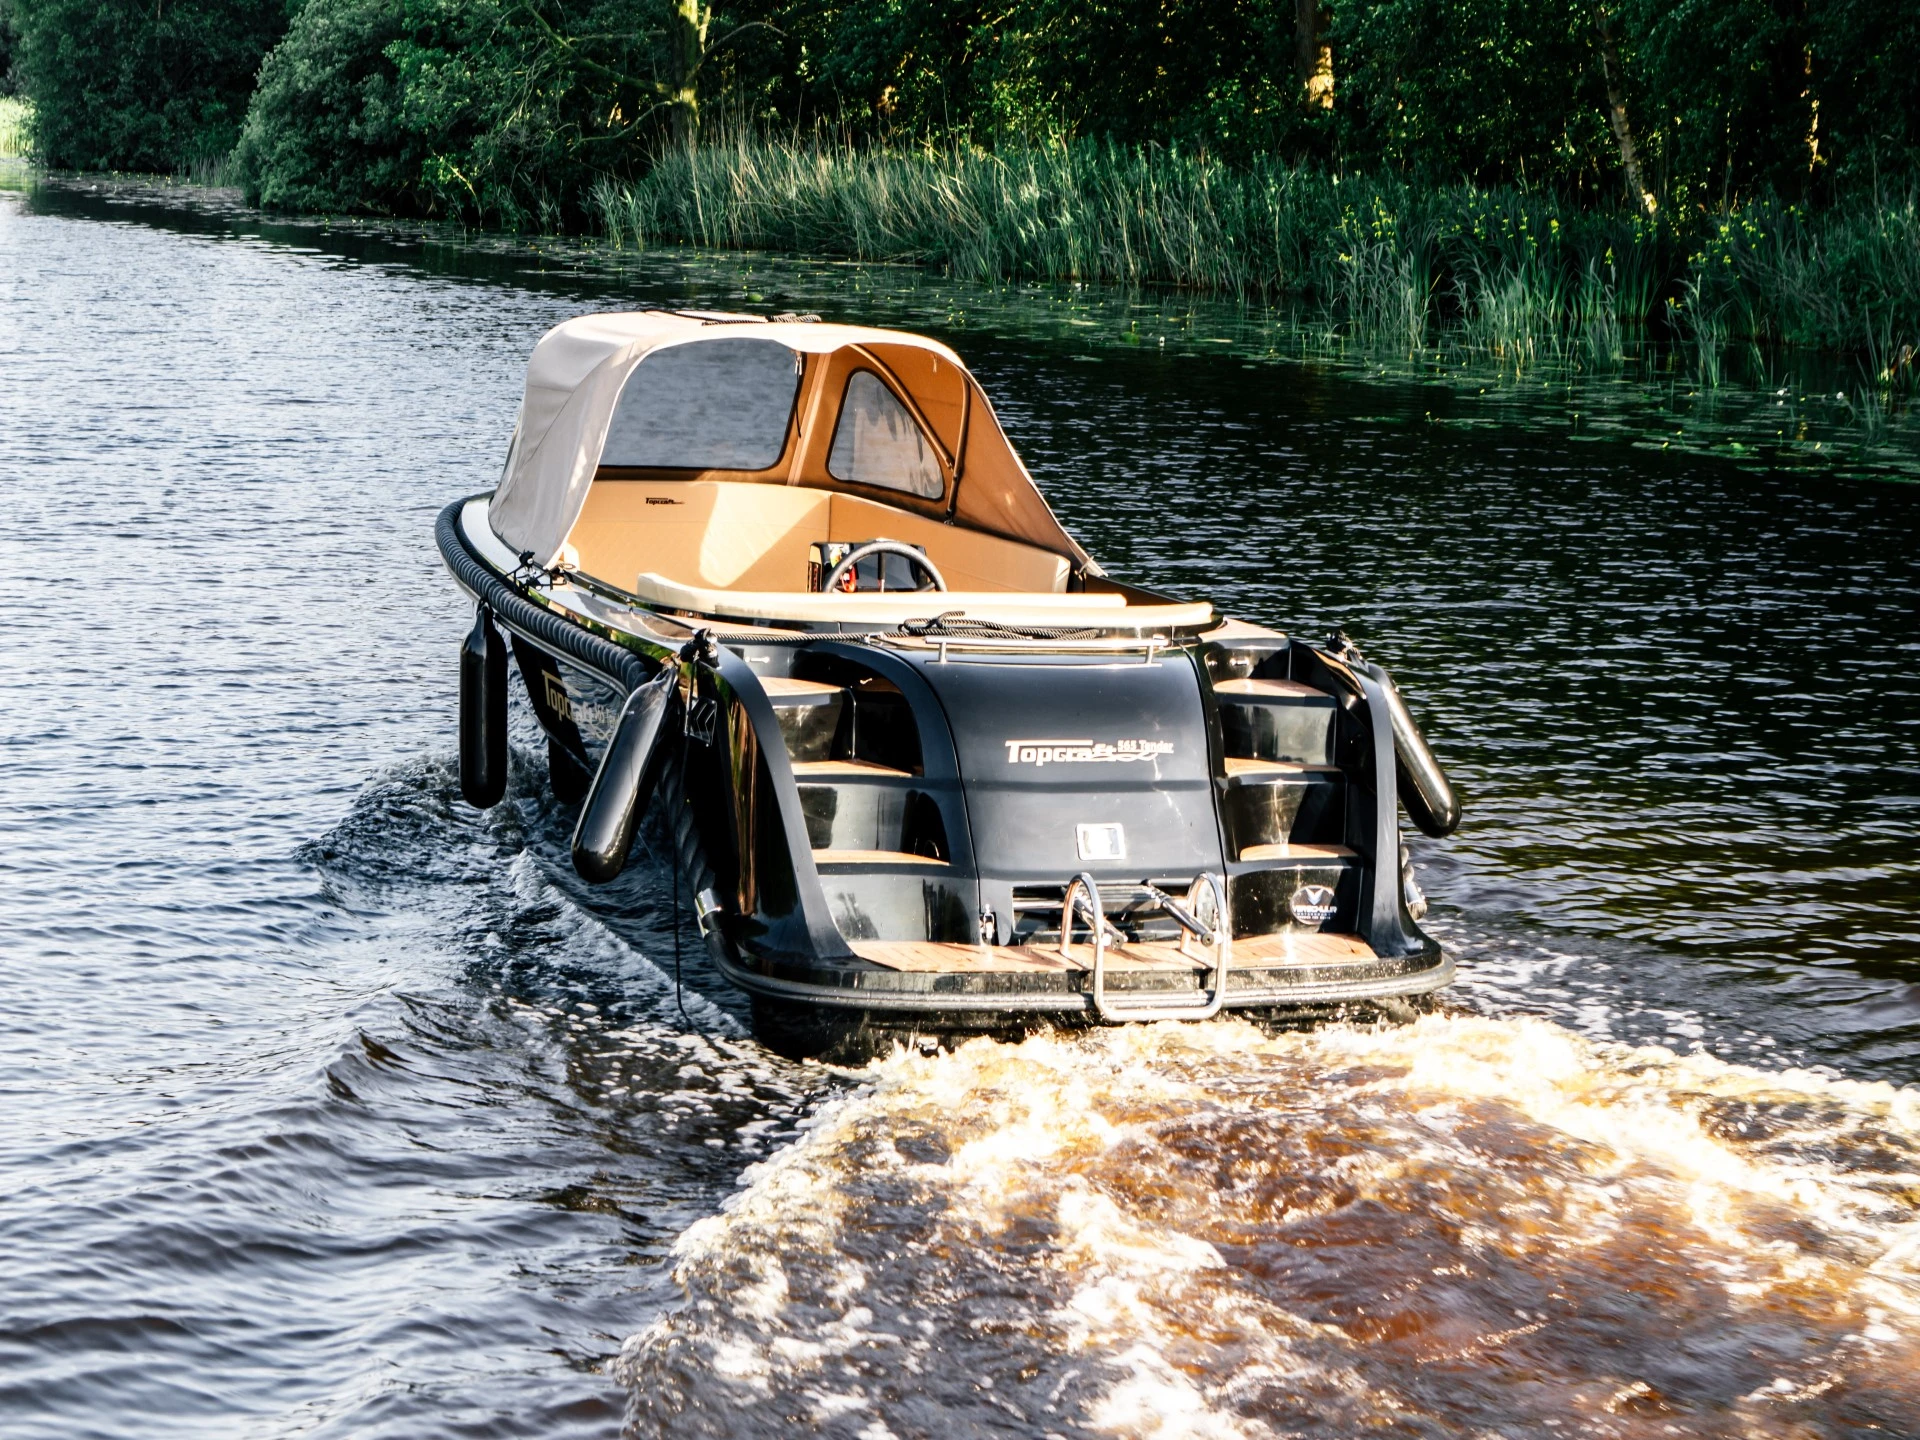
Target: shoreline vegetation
x,y
1392,265
1599,186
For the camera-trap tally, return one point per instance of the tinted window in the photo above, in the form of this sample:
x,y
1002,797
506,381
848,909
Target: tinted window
x,y
877,443
707,405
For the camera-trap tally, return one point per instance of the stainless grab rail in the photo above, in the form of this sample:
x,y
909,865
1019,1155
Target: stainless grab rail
x,y
1083,896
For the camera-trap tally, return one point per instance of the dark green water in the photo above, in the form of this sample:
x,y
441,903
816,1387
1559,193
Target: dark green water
x,y
336,1108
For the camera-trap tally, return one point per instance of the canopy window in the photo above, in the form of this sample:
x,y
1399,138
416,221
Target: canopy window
x,y
877,443
723,404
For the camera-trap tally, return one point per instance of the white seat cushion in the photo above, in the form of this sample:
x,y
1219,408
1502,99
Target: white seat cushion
x,y
890,608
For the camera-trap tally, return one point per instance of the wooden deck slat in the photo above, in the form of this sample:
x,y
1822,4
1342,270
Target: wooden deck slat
x,y
779,686
873,857
1285,850
934,957
827,769
1255,952
1271,689
1238,768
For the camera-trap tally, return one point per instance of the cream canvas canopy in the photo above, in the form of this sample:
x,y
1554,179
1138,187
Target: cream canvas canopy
x,y
579,369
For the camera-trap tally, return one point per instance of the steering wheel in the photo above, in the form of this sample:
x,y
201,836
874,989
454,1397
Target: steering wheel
x,y
881,547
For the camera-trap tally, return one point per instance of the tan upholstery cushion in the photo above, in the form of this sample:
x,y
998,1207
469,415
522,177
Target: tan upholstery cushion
x,y
730,534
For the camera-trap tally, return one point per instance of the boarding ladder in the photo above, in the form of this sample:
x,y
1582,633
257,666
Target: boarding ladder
x,y
1207,893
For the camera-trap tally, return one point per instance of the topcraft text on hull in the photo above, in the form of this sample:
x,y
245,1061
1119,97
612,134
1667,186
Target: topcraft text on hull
x,y
930,771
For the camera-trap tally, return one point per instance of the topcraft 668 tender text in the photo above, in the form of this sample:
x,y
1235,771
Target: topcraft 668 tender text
x,y
929,770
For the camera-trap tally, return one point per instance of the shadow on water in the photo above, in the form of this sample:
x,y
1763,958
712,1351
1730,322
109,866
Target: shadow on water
x,y
348,1111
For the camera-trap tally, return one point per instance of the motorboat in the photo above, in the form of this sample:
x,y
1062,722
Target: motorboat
x,y
924,768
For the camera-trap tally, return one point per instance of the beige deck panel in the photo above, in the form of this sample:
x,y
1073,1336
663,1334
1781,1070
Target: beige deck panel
x,y
1255,952
1231,629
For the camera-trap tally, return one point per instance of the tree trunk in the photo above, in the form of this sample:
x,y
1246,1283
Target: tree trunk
x,y
1312,57
687,45
1617,116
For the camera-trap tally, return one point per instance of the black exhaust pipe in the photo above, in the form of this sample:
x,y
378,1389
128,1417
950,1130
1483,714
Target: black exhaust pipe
x,y
1424,788
629,773
483,713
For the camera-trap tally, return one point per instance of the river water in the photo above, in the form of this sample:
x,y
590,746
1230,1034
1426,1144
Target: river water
x,y
334,1108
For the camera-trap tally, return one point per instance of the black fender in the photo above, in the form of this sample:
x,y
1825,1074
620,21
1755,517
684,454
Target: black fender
x,y
483,713
629,774
1425,791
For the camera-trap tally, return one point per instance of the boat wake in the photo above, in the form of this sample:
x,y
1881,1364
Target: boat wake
x,y
1466,1225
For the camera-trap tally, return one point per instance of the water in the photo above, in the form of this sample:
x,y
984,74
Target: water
x,y
336,1109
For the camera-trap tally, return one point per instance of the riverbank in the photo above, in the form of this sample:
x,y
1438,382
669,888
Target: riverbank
x,y
1766,410
1514,275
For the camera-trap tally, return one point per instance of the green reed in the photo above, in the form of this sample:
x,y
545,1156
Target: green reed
x,y
213,169
1517,276
16,123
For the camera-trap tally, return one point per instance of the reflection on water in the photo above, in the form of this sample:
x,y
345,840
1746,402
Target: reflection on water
x,y
341,1110
1462,1226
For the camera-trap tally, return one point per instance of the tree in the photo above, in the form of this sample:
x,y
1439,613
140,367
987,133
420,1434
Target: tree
x,y
140,85
1485,90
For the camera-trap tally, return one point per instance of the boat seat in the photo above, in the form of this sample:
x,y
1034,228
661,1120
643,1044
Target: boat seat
x,y
744,535
1103,609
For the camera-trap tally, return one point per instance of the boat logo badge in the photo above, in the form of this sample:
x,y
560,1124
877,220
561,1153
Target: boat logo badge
x,y
1313,905
1084,752
1100,842
557,700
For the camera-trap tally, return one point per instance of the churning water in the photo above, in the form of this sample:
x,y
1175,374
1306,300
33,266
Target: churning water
x,y
334,1108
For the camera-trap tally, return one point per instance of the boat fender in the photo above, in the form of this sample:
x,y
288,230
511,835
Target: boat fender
x,y
628,775
483,713
1424,788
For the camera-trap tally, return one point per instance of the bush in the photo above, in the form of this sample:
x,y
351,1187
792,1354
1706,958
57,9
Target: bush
x,y
131,85
502,114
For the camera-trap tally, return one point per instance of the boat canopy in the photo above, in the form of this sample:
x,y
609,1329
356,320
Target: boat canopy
x,y
677,394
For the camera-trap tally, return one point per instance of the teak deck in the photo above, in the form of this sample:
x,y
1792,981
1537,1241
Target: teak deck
x,y
1256,952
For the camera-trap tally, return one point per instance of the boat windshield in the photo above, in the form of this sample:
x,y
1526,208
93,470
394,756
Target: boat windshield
x,y
722,404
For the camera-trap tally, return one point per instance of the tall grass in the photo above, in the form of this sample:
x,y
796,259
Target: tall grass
x,y
16,123
212,169
1516,275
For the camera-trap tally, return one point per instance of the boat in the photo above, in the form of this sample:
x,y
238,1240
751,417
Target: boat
x,y
925,769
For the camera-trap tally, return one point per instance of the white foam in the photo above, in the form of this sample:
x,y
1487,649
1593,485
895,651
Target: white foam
x,y
1125,1142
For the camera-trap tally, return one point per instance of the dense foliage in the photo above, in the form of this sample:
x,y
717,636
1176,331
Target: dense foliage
x,y
489,110
1528,167
508,110
135,84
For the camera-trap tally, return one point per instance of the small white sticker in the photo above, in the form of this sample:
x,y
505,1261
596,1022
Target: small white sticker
x,y
1101,842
